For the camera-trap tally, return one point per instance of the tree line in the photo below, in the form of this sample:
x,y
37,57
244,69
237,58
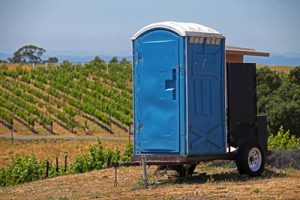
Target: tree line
x,y
32,54
278,96
29,54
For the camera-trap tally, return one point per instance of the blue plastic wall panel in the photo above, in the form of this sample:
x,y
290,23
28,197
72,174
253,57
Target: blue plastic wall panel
x,y
206,100
157,75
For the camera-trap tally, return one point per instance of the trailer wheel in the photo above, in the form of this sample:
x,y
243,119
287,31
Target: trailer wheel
x,y
250,158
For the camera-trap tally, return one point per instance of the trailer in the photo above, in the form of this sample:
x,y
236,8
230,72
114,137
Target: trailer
x,y
190,105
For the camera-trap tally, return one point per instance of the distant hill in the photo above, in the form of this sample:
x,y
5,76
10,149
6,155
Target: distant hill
x,y
4,56
272,60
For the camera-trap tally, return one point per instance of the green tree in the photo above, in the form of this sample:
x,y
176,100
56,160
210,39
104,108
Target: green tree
x,y
52,60
114,60
124,61
267,83
28,54
278,96
97,60
268,77
295,75
66,62
283,108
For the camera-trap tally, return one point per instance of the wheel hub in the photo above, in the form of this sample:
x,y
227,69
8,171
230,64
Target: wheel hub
x,y
254,159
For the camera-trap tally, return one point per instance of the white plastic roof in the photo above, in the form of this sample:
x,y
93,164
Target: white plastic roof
x,y
181,28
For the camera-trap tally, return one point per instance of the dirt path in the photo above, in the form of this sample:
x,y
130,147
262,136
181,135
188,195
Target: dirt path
x,y
63,137
218,184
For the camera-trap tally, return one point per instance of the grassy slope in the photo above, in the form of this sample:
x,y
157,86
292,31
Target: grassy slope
x,y
219,183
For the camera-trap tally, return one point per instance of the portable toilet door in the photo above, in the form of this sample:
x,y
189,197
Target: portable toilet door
x,y
169,114
156,61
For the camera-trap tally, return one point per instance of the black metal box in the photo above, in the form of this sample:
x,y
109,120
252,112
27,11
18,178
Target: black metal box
x,y
241,97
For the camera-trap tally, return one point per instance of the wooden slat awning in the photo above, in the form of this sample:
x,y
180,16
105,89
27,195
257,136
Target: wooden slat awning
x,y
236,54
244,51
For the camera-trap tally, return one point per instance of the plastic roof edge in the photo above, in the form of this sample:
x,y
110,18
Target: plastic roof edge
x,y
182,29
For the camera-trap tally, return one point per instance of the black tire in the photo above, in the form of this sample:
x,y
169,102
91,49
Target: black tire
x,y
250,158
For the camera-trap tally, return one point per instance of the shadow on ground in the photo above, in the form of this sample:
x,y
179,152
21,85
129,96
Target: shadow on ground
x,y
231,176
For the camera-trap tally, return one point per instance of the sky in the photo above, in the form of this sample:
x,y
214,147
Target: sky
x,y
98,27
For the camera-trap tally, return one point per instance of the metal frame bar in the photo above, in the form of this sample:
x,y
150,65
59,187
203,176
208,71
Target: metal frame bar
x,y
173,159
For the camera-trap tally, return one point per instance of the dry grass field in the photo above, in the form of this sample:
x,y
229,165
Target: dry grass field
x,y
50,149
217,183
284,69
13,66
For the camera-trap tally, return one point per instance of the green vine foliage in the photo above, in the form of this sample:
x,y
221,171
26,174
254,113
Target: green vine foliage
x,y
22,169
28,168
283,140
100,158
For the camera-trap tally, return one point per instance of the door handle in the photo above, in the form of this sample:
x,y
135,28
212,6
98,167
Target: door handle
x,y
170,85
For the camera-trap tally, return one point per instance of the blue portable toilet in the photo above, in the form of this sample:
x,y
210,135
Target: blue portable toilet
x,y
179,90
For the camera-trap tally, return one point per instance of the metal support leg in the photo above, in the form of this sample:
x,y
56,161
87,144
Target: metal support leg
x,y
144,172
186,172
116,177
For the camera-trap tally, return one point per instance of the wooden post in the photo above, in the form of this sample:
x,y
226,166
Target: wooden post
x,y
47,169
12,135
56,164
51,127
144,172
12,129
129,133
66,162
110,127
116,176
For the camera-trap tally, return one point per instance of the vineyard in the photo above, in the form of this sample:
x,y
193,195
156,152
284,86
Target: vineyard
x,y
69,97
97,98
